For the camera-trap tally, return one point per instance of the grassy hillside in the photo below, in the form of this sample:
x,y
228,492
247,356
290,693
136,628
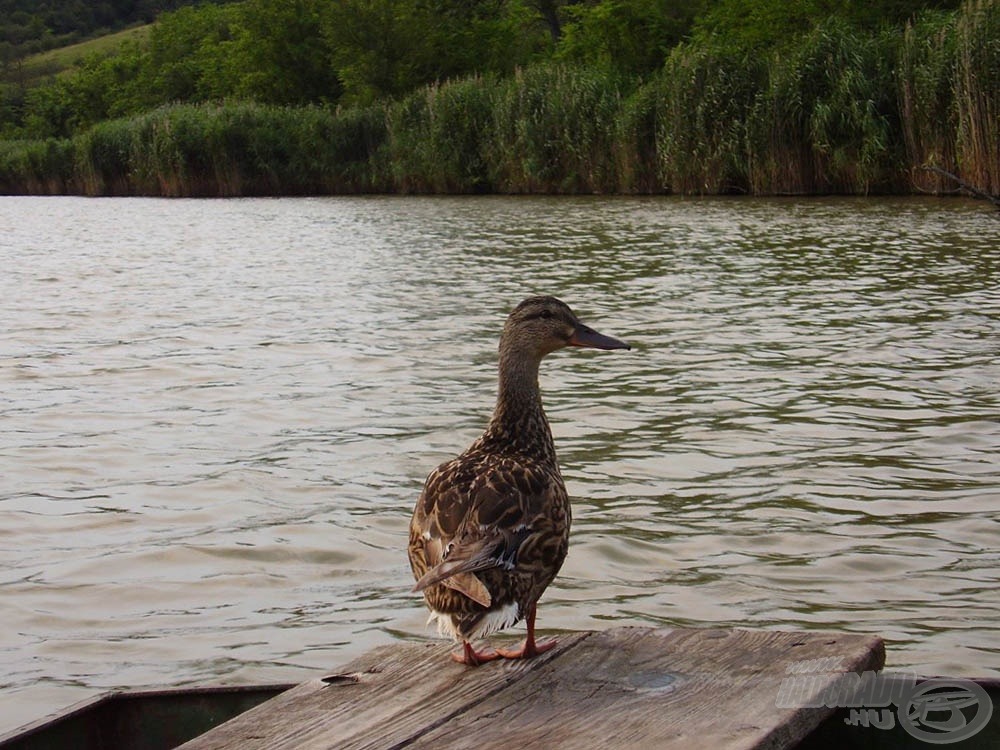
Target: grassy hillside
x,y
28,27
33,69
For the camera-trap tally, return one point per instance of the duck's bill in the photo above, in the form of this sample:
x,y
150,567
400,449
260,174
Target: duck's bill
x,y
586,336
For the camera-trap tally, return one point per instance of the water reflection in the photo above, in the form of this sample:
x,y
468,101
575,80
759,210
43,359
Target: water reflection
x,y
217,416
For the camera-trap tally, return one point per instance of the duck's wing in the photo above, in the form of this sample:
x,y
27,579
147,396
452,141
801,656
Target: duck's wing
x,y
496,549
463,526
449,572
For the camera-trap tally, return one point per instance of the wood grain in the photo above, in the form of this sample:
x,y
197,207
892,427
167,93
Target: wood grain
x,y
622,688
383,699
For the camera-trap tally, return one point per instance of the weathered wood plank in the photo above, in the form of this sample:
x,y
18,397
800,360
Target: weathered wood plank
x,y
636,688
626,687
382,699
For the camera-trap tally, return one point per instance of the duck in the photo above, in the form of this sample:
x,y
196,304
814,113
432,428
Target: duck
x,y
490,529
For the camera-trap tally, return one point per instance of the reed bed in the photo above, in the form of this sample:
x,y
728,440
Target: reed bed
x,y
42,167
232,150
706,97
928,109
977,95
436,138
827,120
553,131
635,144
840,111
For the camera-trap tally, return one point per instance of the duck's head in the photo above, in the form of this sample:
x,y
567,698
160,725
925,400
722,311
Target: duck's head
x,y
541,325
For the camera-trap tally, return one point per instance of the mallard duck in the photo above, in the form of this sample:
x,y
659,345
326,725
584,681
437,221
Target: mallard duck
x,y
491,527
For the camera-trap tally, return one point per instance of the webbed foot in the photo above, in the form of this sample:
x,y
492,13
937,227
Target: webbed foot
x,y
469,656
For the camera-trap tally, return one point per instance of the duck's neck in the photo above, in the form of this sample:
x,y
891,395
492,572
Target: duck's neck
x,y
519,422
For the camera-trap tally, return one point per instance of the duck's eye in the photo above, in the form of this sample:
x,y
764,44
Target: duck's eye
x,y
546,315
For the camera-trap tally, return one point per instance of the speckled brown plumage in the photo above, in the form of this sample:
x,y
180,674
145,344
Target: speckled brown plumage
x,y
491,528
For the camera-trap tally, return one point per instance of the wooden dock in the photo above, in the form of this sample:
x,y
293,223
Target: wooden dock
x,y
621,688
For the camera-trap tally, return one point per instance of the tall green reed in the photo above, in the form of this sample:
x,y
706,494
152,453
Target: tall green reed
x,y
977,94
827,120
928,115
437,138
233,149
706,94
40,167
553,131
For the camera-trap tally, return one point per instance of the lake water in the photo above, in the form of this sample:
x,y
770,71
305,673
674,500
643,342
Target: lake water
x,y
217,415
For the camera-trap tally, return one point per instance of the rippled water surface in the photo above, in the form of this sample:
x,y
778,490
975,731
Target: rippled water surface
x,y
216,416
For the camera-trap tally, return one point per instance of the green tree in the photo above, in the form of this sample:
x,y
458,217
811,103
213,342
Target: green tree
x,y
386,48
634,36
105,86
191,55
757,24
284,54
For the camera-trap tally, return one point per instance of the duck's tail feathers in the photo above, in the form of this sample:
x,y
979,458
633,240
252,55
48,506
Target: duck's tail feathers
x,y
458,570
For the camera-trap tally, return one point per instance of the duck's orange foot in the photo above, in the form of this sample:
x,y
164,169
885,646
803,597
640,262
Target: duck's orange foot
x,y
528,649
473,658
